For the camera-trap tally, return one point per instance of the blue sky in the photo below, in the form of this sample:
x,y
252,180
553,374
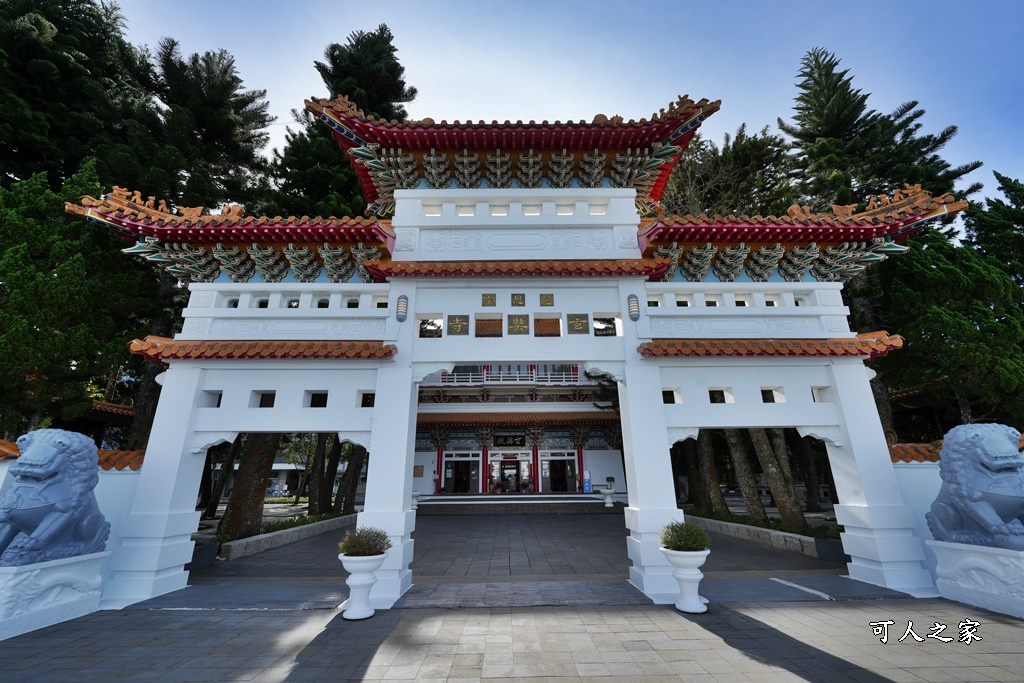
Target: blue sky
x,y
561,60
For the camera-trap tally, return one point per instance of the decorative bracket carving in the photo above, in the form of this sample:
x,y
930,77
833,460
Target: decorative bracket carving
x,y
682,434
202,441
357,438
829,434
617,371
420,371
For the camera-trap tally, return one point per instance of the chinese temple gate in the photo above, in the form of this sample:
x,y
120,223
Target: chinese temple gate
x,y
458,339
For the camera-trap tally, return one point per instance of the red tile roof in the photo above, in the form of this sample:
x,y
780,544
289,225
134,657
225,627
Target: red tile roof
x,y
162,349
915,452
131,215
872,345
517,419
651,268
115,408
895,216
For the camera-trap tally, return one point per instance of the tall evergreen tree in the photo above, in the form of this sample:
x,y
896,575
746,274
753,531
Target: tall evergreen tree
x,y
71,303
846,152
997,228
311,175
749,175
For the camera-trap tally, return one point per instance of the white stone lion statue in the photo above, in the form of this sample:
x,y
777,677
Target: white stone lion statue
x,y
981,501
50,512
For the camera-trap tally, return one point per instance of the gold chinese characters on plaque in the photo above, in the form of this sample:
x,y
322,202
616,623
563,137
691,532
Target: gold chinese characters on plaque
x,y
417,471
547,299
578,323
458,325
518,299
519,324
489,299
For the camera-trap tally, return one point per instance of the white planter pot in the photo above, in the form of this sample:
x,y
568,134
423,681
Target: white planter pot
x,y
415,500
686,571
608,493
360,579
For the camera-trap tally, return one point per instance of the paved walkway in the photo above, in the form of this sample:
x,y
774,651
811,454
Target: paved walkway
x,y
533,611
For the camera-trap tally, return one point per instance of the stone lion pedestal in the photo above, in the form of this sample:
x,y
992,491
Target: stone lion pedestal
x,y
991,578
52,533
978,518
37,595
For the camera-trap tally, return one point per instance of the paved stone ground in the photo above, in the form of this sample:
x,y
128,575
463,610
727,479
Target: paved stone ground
x,y
270,618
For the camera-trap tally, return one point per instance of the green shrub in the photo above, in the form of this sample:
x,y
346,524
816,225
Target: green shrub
x,y
365,541
684,536
296,520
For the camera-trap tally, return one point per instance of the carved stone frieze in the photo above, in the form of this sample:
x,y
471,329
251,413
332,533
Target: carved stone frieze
x,y
626,237
405,239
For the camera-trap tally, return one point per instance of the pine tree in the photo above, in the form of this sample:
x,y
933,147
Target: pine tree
x,y
311,175
997,229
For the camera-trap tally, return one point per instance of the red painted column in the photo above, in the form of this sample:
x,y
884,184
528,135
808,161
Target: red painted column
x,y
485,472
579,468
535,473
440,470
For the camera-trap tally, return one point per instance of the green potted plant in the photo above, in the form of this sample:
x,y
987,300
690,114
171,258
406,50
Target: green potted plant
x,y
686,546
362,552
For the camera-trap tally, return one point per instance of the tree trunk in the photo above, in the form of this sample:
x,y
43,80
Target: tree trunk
x,y
777,437
222,479
244,515
709,475
696,495
345,502
330,474
206,483
316,474
785,496
810,472
745,475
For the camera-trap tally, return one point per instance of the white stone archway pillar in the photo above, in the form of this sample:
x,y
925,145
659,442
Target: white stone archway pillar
x,y
389,480
651,492
156,538
879,527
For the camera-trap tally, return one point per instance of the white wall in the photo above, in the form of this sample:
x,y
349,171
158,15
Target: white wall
x,y
919,483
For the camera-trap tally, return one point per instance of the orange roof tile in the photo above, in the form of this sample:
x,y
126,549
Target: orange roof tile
x,y
651,268
872,345
516,419
162,349
115,408
119,460
915,452
108,460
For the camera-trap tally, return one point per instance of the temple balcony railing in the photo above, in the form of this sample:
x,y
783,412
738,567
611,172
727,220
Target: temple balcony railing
x,y
483,375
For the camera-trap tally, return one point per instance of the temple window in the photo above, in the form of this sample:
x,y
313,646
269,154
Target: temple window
x,y
741,301
499,210
821,394
721,395
430,328
262,303
316,399
565,209
772,395
380,302
653,302
262,399
710,302
682,301
607,327
293,303
598,209
547,327
531,210
351,303
771,300
468,210
366,399
210,399
323,302
671,396
800,300
232,303
434,210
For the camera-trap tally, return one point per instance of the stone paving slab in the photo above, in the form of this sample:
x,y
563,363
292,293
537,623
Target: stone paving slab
x,y
524,594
